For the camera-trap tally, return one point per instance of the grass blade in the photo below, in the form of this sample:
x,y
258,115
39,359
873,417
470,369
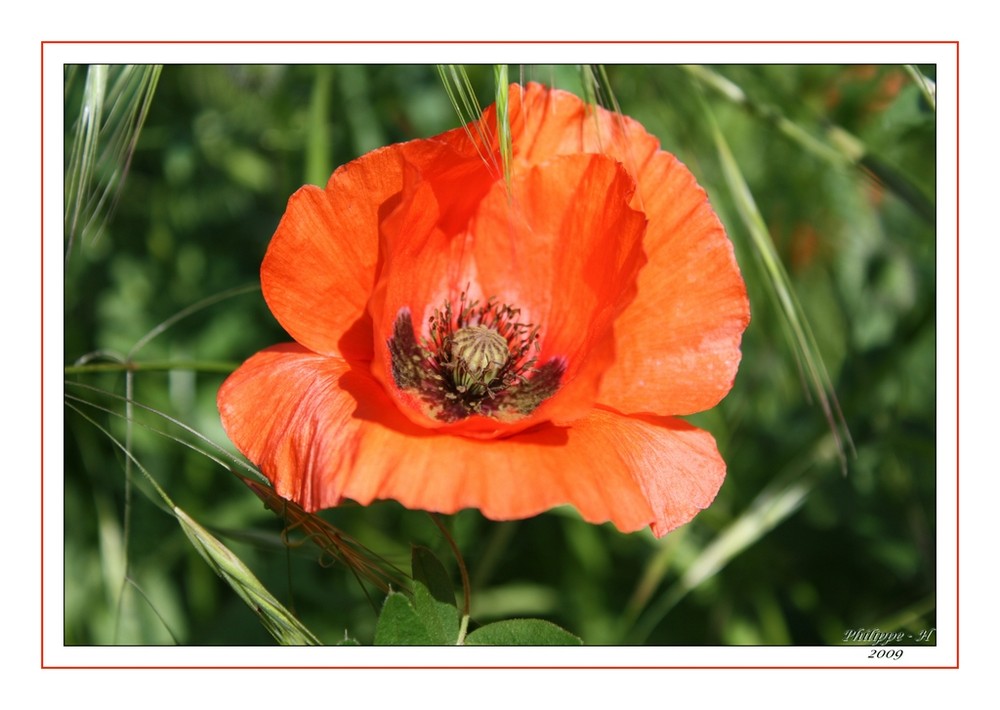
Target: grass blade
x,y
279,622
927,87
503,119
795,323
842,149
334,544
318,138
190,310
113,108
463,98
770,508
84,150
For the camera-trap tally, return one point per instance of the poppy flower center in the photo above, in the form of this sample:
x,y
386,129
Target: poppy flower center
x,y
477,358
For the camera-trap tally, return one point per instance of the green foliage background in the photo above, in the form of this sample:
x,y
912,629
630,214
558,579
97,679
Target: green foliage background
x,y
791,552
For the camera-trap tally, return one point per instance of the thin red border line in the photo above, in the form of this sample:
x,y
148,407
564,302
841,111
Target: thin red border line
x,y
957,221
503,668
957,364
41,373
509,42
501,42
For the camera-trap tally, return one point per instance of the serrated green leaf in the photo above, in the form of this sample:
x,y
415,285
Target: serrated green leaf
x,y
522,632
399,625
434,597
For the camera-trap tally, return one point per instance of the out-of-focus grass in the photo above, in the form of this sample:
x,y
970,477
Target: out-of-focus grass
x,y
790,552
109,105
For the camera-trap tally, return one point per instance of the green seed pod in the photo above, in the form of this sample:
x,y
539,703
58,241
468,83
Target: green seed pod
x,y
478,354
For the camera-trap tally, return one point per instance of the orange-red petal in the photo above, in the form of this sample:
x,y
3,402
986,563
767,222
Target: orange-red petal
x,y
563,245
677,344
320,266
323,430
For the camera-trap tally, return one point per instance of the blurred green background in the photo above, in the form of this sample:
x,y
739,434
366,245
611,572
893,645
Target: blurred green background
x,y
840,163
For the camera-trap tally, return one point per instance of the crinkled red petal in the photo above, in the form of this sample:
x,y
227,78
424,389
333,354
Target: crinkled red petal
x,y
678,344
320,266
323,430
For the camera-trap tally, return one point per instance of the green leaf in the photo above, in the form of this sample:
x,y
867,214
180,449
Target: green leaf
x,y
399,625
522,632
431,618
428,571
434,597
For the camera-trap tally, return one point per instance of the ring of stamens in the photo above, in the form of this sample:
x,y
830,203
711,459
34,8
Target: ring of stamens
x,y
465,349
477,358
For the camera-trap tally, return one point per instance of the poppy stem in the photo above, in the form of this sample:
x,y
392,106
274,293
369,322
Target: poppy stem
x,y
466,602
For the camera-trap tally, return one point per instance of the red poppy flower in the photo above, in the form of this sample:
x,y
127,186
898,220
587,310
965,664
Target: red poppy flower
x,y
464,340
